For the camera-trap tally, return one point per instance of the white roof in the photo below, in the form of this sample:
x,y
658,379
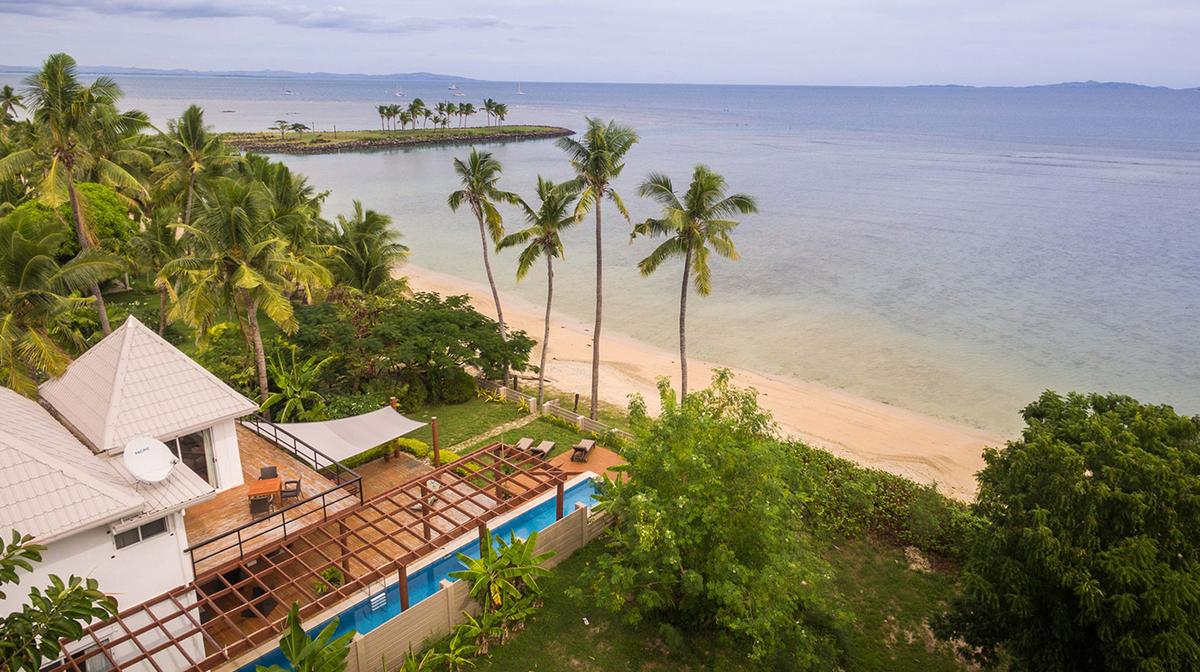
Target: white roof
x,y
134,383
52,485
346,437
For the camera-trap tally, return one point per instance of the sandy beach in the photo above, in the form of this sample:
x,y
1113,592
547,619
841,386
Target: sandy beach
x,y
874,434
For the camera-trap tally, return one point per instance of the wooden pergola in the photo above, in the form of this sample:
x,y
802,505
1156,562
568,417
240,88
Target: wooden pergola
x,y
241,605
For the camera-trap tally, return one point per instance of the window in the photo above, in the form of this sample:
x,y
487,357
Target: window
x,y
195,451
141,533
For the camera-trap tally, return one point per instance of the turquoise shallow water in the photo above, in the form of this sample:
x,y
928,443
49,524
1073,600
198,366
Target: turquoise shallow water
x,y
950,250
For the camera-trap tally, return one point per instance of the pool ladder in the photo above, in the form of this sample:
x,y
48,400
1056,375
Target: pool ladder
x,y
378,600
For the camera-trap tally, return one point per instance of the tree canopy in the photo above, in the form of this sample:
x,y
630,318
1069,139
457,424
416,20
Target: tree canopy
x,y
1090,555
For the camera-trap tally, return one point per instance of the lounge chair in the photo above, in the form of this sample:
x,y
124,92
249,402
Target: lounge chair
x,y
268,472
543,449
260,507
581,450
524,444
290,490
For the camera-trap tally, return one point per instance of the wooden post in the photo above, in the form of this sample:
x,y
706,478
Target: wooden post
x,y
576,402
485,538
394,403
437,451
345,549
558,502
425,511
402,574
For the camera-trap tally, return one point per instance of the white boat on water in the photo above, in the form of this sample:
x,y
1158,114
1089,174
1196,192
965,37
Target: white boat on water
x,y
459,94
519,91
453,86
289,92
400,92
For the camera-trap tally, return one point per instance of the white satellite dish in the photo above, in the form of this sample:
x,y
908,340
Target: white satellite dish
x,y
149,460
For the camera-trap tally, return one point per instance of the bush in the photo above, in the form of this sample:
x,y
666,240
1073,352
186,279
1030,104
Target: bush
x,y
455,387
366,456
415,447
346,405
411,394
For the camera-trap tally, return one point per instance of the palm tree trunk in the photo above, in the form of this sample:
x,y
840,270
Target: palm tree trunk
x,y
599,315
683,292
260,355
546,333
487,267
187,208
86,244
163,297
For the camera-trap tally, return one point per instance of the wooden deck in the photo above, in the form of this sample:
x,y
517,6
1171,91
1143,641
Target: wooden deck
x,y
380,476
230,509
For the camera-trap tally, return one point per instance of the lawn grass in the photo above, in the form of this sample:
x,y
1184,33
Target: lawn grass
x,y
459,422
613,415
889,602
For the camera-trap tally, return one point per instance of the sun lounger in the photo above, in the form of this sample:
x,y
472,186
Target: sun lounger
x,y
524,444
543,449
581,450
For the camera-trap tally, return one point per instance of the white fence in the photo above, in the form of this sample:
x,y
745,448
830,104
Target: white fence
x,y
552,407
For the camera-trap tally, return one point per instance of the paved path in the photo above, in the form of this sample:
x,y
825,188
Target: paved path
x,y
461,447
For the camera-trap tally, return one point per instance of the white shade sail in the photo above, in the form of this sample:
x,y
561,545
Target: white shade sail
x,y
346,437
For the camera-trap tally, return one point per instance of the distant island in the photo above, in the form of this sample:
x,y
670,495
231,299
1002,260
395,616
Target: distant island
x,y
327,142
264,74
1090,84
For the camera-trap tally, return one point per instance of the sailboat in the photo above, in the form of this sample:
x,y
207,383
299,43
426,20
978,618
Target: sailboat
x,y
453,86
288,92
400,92
519,91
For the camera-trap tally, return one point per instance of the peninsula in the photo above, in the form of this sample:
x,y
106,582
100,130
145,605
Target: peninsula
x,y
324,142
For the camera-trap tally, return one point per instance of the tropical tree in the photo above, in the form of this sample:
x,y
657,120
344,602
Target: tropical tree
x,y
323,653
489,109
598,160
298,128
694,225
367,251
10,102
283,126
456,655
77,133
1089,554
294,215
191,152
37,299
382,110
426,116
555,213
238,266
416,109
295,382
501,111
480,176
405,118
32,634
156,244
465,110
481,629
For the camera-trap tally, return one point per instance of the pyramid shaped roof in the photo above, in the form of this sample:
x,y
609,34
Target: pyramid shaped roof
x,y
134,383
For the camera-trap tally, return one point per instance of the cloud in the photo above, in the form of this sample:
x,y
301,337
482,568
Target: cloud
x,y
334,17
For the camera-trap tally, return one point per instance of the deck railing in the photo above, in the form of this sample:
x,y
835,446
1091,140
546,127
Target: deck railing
x,y
346,485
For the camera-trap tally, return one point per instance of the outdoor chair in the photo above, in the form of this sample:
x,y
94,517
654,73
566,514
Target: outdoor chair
x,y
543,449
268,472
260,507
581,450
524,444
290,490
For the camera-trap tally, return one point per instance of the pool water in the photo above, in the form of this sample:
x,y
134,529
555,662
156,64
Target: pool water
x,y
426,581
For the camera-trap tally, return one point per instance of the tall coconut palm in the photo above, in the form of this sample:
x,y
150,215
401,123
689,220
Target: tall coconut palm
x,y
191,152
295,208
238,266
366,251
501,111
10,101
382,110
153,247
489,108
693,225
555,213
598,159
415,109
37,298
480,176
76,131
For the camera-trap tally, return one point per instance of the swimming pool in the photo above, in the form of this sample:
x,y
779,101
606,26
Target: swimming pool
x,y
426,581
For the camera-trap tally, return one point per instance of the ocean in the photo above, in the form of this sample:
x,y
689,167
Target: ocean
x,y
950,250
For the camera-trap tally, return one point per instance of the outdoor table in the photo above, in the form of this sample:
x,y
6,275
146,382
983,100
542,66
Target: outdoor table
x,y
265,487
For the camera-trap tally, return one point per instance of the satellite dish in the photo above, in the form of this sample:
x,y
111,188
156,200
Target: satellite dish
x,y
149,460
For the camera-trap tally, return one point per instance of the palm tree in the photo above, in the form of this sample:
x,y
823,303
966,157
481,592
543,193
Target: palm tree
x,y
426,115
598,159
415,109
541,238
295,208
9,102
238,266
501,111
405,118
366,251
489,108
76,132
693,225
383,112
465,110
192,150
37,299
155,245
479,176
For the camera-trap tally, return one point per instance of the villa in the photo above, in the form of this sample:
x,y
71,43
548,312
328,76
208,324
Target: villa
x,y
204,562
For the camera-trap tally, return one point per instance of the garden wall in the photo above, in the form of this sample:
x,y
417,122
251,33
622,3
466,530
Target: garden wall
x,y
436,616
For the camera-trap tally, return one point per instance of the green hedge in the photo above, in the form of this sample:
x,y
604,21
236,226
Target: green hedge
x,y
367,456
415,447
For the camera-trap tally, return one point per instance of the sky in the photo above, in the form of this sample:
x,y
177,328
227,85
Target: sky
x,y
823,42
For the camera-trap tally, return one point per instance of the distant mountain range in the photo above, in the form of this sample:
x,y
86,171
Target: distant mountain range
x,y
273,74
433,76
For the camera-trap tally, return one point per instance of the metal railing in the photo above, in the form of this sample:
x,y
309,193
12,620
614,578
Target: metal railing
x,y
346,485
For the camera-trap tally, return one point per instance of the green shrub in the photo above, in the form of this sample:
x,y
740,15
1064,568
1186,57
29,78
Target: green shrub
x,y
367,456
411,393
456,387
346,405
415,447
331,579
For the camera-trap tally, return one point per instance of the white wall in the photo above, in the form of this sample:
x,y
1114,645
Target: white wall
x,y
226,457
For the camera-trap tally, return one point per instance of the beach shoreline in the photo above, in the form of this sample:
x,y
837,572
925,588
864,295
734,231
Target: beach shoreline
x,y
874,434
